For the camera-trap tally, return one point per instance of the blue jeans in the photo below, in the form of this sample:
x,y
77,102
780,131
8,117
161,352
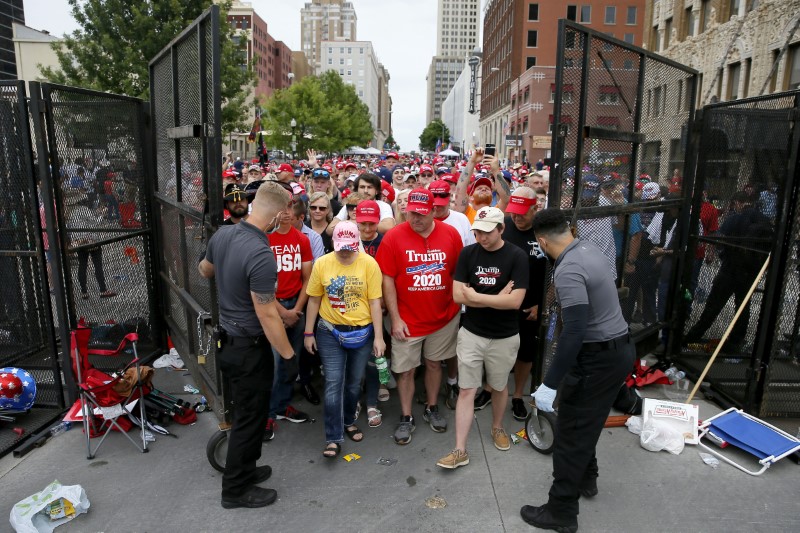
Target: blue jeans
x,y
372,382
283,383
344,369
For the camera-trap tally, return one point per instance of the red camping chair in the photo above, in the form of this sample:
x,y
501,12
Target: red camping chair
x,y
97,391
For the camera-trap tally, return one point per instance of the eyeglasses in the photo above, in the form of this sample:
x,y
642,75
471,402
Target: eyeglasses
x,y
321,173
426,175
318,207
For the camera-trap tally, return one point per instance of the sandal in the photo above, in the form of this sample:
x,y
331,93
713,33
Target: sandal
x,y
358,410
383,394
332,450
374,417
354,433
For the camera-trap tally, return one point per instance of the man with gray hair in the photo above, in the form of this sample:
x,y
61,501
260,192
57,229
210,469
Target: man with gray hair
x,y
240,258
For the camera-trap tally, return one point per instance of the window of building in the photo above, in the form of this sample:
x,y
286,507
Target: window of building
x,y
533,38
688,23
586,14
566,94
611,15
705,15
609,95
361,72
530,62
341,61
572,13
349,50
627,64
330,61
341,72
733,8
793,68
527,96
734,72
349,72
533,12
360,93
629,38
631,18
667,32
361,50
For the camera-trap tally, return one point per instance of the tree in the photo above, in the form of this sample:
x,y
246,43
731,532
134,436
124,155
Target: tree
x,y
433,132
390,143
328,113
117,39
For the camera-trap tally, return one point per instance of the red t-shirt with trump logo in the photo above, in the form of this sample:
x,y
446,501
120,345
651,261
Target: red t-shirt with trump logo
x,y
422,269
291,250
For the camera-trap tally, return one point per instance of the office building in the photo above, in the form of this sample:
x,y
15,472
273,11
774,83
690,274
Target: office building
x,y
11,11
322,21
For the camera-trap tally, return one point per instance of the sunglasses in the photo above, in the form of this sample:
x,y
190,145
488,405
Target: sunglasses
x,y
321,173
318,207
441,195
426,175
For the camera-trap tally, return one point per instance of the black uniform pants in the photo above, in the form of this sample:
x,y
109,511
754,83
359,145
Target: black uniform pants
x,y
248,366
728,282
585,398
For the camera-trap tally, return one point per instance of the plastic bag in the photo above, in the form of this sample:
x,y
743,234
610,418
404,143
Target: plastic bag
x,y
634,424
657,436
30,515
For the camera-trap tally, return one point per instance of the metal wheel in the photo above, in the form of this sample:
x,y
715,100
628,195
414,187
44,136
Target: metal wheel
x,y
217,450
540,430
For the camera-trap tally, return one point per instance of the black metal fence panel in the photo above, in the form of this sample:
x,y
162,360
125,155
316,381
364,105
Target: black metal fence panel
x,y
744,211
187,142
27,330
620,133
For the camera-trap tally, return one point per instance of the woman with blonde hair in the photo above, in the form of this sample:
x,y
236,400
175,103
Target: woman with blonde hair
x,y
400,202
319,216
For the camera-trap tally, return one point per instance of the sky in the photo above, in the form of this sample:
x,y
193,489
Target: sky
x,y
403,34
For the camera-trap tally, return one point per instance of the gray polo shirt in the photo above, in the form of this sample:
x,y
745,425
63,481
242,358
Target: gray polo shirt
x,y
243,262
583,276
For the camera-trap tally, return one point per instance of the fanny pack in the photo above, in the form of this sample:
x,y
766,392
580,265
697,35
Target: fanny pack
x,y
352,339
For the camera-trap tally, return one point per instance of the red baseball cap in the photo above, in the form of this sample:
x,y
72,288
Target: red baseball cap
x,y
368,211
519,205
420,201
286,167
449,178
478,182
339,166
392,154
350,164
388,190
440,190
426,168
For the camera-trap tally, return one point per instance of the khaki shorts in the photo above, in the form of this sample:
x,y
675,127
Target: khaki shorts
x,y
475,352
438,346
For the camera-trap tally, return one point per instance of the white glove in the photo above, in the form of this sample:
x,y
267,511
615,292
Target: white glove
x,y
544,397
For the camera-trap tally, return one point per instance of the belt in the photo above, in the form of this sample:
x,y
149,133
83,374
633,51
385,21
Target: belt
x,y
329,326
602,346
245,341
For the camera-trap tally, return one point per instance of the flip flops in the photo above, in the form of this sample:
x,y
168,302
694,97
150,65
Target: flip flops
x,y
332,450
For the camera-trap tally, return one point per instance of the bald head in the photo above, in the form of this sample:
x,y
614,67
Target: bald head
x,y
524,191
271,197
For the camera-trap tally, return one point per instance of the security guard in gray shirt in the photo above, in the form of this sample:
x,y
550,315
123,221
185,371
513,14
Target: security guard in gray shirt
x,y
593,357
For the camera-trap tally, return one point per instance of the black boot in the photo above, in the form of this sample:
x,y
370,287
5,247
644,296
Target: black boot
x,y
542,518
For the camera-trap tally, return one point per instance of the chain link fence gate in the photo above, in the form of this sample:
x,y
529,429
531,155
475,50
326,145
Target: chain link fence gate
x,y
747,181
186,105
27,329
620,137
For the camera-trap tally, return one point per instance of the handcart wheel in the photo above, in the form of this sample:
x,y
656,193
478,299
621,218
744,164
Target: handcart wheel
x,y
540,430
217,450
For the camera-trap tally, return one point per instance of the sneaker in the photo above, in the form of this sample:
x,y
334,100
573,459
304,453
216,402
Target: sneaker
x,y
252,497
518,409
451,395
269,430
542,518
436,420
483,399
403,431
262,474
293,415
501,440
454,459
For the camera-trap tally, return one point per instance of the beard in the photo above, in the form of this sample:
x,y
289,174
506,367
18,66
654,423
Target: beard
x,y
238,212
481,200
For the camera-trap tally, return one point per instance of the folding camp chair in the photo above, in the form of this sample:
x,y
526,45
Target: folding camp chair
x,y
97,392
750,434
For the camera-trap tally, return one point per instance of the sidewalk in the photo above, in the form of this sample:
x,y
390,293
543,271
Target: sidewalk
x,y
173,488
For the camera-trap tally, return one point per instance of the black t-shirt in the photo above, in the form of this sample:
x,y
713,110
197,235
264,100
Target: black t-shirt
x,y
243,262
371,246
537,262
489,273
327,241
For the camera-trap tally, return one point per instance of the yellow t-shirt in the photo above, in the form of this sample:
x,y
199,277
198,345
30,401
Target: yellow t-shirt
x,y
346,290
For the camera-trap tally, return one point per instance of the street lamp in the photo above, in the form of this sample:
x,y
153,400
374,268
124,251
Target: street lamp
x,y
293,124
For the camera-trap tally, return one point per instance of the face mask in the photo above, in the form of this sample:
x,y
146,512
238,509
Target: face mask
x,y
275,224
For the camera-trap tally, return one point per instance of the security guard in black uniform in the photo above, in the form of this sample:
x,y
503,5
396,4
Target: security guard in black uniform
x,y
240,258
593,357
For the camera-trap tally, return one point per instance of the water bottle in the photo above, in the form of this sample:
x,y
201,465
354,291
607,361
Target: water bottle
x,y
55,431
674,374
383,370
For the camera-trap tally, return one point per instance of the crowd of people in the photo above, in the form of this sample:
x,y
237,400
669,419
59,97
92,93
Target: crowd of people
x,y
440,269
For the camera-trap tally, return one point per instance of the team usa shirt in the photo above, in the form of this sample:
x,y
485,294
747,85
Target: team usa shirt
x,y
291,250
422,269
